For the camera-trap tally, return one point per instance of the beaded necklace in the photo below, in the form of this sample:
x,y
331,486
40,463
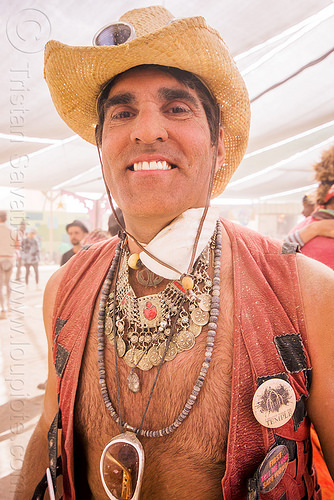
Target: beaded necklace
x,y
129,438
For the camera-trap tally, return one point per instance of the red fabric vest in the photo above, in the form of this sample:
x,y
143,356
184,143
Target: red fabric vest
x,y
267,307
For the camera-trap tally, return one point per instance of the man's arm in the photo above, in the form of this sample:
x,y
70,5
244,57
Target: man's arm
x,y
317,286
36,456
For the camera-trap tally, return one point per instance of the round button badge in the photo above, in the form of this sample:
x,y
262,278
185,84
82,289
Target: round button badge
x,y
274,403
273,468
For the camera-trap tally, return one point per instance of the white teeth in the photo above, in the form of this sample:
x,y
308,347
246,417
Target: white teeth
x,y
151,165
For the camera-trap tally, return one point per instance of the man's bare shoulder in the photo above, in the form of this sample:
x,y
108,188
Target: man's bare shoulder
x,y
316,279
55,279
317,289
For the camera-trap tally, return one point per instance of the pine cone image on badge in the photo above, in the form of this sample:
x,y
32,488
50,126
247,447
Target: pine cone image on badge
x,y
272,400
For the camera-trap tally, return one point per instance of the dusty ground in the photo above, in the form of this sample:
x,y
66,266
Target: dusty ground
x,y
23,365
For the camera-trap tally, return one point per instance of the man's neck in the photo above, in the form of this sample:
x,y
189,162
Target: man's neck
x,y
144,230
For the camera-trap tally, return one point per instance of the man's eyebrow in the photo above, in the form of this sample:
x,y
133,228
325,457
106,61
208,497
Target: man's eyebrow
x,y
123,98
170,94
165,94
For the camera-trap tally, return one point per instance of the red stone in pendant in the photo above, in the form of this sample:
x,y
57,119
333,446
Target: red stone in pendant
x,y
151,311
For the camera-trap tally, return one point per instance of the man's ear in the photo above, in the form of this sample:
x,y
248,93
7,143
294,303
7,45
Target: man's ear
x,y
98,136
220,150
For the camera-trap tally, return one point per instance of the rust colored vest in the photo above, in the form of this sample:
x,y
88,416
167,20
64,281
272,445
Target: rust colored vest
x,y
269,342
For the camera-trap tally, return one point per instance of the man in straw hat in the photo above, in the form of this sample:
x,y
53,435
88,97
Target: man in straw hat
x,y
181,351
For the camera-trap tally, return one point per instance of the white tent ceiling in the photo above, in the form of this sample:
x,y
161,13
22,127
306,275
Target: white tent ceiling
x,y
283,49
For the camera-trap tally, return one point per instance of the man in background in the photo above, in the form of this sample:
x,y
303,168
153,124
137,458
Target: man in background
x,y
76,231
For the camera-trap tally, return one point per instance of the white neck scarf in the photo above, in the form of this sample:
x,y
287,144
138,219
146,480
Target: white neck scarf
x,y
174,243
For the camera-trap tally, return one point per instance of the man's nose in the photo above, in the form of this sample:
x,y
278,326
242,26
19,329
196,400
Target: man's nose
x,y
149,127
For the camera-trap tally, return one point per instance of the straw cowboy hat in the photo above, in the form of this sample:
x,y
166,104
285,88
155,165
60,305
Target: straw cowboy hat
x,y
76,75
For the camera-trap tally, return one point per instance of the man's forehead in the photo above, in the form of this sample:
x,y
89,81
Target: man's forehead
x,y
145,71
136,81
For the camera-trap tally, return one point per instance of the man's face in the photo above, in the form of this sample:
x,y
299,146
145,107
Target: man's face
x,y
156,147
76,234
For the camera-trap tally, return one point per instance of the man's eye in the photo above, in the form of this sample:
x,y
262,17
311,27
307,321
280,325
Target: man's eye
x,y
121,115
178,109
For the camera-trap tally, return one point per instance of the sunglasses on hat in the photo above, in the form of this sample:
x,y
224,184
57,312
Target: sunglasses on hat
x,y
114,34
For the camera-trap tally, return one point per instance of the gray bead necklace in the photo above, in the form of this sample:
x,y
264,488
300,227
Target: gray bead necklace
x,y
124,451
212,326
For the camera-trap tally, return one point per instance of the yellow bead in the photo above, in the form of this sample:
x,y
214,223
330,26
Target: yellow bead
x,y
187,283
134,261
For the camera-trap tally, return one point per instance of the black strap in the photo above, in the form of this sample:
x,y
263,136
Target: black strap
x,y
54,462
43,484
52,442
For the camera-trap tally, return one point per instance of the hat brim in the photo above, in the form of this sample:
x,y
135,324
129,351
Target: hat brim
x,y
76,76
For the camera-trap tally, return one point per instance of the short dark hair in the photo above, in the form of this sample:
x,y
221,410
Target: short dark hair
x,y
77,223
211,108
113,226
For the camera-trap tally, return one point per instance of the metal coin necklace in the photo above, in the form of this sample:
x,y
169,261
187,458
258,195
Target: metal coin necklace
x,y
143,324
122,460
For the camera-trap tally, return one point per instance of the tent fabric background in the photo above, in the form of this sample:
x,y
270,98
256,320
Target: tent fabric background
x,y
283,49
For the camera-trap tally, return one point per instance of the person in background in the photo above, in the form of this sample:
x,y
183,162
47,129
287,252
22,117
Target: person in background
x,y
20,236
31,255
308,204
8,244
113,226
76,231
315,233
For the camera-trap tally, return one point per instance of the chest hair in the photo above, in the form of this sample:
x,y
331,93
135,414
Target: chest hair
x,y
197,447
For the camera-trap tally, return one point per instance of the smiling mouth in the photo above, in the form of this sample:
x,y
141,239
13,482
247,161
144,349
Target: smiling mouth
x,y
151,165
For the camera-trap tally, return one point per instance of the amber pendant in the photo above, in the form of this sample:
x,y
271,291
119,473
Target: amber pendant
x,y
122,467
